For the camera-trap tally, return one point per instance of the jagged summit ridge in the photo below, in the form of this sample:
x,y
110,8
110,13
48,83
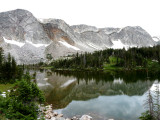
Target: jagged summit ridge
x,y
83,28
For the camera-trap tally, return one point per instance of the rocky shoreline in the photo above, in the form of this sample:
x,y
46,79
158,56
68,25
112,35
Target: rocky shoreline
x,y
48,113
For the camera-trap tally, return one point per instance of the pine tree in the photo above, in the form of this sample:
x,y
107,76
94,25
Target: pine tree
x,y
14,68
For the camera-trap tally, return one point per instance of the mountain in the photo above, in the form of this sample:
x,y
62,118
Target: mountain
x,y
23,36
30,40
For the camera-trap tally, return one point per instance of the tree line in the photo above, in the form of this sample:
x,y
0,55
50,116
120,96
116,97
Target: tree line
x,y
21,102
127,59
9,70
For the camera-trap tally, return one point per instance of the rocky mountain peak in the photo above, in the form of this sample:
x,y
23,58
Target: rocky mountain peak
x,y
21,25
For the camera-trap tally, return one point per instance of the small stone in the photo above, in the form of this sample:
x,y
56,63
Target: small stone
x,y
86,117
48,116
51,114
60,115
55,113
68,119
60,118
53,118
45,79
74,118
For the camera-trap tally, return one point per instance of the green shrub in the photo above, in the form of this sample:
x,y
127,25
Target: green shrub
x,y
146,116
22,102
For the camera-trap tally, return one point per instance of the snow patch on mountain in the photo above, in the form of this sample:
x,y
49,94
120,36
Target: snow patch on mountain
x,y
41,20
156,38
118,44
68,45
14,42
94,46
21,44
37,45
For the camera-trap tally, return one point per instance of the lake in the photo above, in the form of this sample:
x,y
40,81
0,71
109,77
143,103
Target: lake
x,y
102,95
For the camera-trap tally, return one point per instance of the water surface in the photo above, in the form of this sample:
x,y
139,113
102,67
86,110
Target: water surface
x,y
110,95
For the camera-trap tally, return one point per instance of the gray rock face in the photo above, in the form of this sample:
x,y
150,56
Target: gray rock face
x,y
110,30
29,40
58,24
84,28
133,36
97,40
105,37
21,25
27,54
58,50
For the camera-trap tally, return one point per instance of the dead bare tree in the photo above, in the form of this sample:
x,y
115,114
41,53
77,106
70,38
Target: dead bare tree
x,y
149,103
157,102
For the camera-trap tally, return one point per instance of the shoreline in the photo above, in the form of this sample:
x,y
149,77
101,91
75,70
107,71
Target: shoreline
x,y
49,114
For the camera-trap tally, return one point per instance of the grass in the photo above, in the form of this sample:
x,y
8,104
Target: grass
x,y
2,117
154,66
112,64
5,87
151,65
47,67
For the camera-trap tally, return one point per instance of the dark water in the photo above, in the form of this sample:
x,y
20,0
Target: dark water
x,y
110,95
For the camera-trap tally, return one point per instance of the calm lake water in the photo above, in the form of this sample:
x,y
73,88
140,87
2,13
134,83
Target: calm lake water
x,y
110,95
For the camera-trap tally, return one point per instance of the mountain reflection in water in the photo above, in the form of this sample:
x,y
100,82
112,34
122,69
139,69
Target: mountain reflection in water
x,y
117,95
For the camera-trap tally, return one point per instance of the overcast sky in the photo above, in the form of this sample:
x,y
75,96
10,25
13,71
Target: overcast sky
x,y
99,13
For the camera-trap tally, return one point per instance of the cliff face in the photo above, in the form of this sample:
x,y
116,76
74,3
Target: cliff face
x,y
29,40
23,36
133,36
21,25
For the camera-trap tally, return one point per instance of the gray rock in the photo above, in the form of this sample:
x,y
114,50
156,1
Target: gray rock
x,y
84,28
53,118
21,25
60,118
60,115
55,113
74,118
133,36
68,119
86,117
